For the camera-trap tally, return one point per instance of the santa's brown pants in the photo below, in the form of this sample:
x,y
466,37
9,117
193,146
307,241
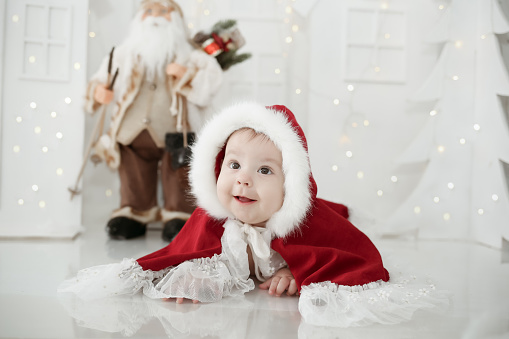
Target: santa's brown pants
x,y
138,171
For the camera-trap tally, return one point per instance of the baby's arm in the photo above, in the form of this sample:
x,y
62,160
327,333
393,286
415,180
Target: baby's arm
x,y
282,281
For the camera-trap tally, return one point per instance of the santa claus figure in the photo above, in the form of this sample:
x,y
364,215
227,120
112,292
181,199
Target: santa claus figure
x,y
163,86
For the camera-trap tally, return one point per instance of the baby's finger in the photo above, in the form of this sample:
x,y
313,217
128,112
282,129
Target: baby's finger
x,y
273,285
281,287
195,301
292,289
180,300
266,284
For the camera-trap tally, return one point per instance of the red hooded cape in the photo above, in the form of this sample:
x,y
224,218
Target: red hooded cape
x,y
318,242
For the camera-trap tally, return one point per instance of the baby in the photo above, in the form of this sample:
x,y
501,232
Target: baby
x,y
258,216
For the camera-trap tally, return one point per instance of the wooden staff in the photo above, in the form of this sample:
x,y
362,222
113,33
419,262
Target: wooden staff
x,y
98,128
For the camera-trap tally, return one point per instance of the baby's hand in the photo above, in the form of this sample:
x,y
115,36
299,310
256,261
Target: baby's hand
x,y
282,281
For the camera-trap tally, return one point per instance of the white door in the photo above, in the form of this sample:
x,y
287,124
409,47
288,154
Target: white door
x,y
43,80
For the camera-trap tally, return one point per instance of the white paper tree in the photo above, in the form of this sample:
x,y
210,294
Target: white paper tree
x,y
463,192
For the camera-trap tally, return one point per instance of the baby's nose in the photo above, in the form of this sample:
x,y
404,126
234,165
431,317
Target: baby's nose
x,y
244,180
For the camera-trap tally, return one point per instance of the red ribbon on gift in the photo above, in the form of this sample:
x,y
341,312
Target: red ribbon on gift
x,y
222,44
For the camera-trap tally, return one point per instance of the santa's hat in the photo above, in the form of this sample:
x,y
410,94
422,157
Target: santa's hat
x,y
279,124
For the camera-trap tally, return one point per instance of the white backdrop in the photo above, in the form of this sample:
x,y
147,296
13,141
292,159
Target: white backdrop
x,y
346,68
42,127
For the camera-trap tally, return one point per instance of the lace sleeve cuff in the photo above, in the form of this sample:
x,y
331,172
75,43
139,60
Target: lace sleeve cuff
x,y
204,279
329,304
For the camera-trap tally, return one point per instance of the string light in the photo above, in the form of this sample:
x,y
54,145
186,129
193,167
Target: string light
x,y
31,59
350,88
59,135
379,193
377,69
15,18
334,168
295,28
19,120
458,44
433,113
60,171
384,5
447,216
21,202
44,149
394,178
297,91
35,188
387,36
53,114
455,77
33,105
42,204
68,100
366,123
349,154
37,130
494,197
91,34
436,200
441,7
289,39
190,25
417,209
289,9
480,211
206,12
441,149
77,65
360,174
450,185
108,193
336,102
463,141
477,127
483,36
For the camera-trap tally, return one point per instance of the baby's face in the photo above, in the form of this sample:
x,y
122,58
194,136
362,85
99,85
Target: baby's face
x,y
251,182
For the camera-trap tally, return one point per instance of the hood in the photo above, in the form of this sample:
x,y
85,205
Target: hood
x,y
279,124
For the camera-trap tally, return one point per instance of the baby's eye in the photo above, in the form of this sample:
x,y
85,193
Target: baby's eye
x,y
164,11
265,170
234,165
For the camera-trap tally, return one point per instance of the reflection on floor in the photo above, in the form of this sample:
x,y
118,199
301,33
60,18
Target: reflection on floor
x,y
30,271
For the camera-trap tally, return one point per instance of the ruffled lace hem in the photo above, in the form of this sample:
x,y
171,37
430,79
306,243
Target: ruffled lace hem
x,y
204,279
329,304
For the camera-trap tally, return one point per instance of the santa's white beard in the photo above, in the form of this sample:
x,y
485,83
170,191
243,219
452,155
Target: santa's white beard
x,y
158,42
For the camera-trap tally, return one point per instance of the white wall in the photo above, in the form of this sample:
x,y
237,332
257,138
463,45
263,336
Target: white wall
x,y
317,64
43,78
393,120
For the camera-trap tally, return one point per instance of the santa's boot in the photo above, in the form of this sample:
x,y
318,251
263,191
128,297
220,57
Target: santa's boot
x,y
172,228
128,223
123,228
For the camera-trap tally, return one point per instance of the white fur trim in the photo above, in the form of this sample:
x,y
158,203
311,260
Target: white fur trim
x,y
168,215
296,167
141,216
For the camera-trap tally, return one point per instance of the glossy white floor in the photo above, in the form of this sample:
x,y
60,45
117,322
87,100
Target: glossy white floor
x,y
30,271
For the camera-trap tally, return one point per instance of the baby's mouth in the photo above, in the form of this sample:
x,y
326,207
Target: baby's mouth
x,y
243,199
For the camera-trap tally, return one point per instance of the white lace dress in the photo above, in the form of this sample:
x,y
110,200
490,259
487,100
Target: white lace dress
x,y
227,275
202,279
